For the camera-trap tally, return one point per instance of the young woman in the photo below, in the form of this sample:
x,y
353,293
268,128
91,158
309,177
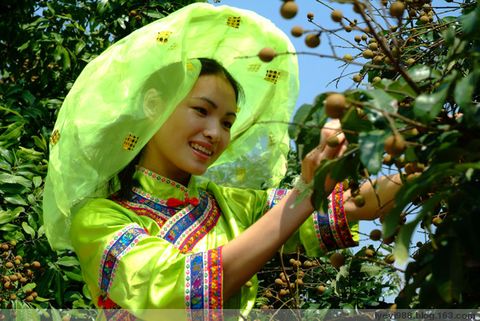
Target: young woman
x,y
127,189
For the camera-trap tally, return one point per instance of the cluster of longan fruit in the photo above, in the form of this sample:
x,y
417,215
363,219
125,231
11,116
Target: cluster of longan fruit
x,y
14,275
288,282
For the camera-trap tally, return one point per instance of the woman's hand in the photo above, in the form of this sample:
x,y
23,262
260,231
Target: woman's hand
x,y
323,151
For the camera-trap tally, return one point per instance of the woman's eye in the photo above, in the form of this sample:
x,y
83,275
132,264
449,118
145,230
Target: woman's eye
x,y
201,110
227,124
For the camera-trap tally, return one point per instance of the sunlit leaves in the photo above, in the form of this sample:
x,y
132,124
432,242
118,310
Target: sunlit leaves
x,y
371,150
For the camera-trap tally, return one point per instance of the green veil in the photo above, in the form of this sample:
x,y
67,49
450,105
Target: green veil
x,y
123,97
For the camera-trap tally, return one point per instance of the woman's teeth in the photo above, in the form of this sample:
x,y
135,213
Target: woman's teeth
x,y
201,149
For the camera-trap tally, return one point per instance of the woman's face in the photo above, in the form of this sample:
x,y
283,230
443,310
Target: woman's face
x,y
196,133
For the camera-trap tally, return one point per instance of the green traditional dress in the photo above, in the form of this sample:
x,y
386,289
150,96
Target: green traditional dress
x,y
149,252
162,248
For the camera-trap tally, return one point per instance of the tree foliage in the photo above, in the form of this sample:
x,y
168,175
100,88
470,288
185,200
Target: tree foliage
x,y
44,45
415,111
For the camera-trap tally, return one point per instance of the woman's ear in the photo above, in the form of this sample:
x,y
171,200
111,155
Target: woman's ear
x,y
152,103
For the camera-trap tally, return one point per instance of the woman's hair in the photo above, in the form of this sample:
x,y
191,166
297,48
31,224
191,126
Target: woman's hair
x,y
209,67
213,67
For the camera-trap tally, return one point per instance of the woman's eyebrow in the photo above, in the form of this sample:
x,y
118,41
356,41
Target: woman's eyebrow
x,y
214,105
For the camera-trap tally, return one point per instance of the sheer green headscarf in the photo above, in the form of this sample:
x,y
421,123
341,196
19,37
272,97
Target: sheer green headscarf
x,y
123,97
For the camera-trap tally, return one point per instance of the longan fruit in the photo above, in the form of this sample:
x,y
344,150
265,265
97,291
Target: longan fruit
x,y
397,9
359,201
297,31
368,54
289,9
336,15
375,235
312,40
267,54
395,144
337,260
335,105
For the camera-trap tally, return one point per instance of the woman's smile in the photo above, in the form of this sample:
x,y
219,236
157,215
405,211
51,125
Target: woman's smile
x,y
196,133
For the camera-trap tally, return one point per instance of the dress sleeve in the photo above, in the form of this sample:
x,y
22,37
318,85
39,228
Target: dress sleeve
x,y
321,232
126,265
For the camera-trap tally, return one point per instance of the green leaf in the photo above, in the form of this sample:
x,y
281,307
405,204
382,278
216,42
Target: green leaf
x,y
79,46
427,106
41,231
11,135
28,229
28,286
153,14
16,200
68,261
352,123
371,149
5,217
74,276
402,242
37,181
449,35
55,314
14,179
319,196
399,90
447,271
381,100
24,46
463,96
471,23
9,227
8,216
420,73
303,113
370,270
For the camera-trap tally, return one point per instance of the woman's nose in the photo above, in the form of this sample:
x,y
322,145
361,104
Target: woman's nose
x,y
212,131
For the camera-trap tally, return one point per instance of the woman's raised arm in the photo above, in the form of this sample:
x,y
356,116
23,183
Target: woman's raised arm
x,y
246,254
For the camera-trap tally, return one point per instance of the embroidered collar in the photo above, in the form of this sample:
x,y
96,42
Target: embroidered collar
x,y
164,190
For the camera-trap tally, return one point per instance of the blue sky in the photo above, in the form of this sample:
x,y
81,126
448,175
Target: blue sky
x,y
315,73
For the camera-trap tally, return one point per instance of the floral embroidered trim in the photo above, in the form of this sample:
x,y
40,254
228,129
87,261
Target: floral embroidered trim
x,y
203,280
335,212
322,230
119,315
123,241
143,209
274,196
333,231
337,216
161,179
190,225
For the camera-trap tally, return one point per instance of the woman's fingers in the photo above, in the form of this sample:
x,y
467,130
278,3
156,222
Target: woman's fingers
x,y
329,129
331,152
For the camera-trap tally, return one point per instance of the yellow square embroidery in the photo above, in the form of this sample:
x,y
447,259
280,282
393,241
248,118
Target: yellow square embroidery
x,y
163,36
253,67
130,141
272,76
233,22
55,137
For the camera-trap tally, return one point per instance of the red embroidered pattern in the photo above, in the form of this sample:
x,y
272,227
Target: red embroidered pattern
x,y
186,228
162,179
322,230
215,263
335,214
338,220
143,210
122,242
203,281
203,227
274,196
